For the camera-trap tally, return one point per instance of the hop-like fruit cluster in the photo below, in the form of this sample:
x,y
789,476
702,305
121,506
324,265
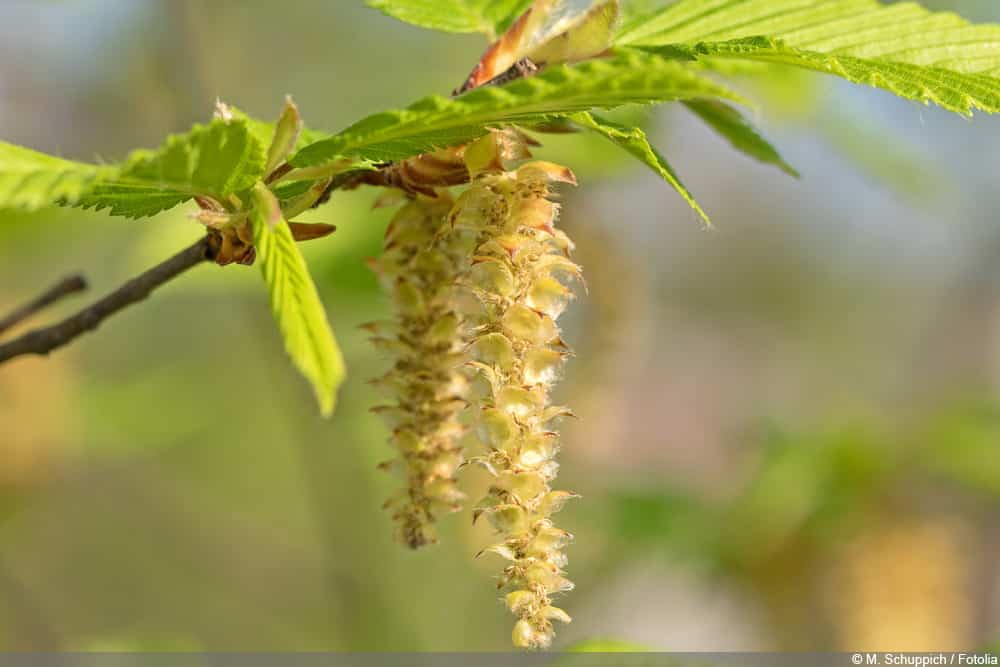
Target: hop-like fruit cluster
x,y
419,267
520,265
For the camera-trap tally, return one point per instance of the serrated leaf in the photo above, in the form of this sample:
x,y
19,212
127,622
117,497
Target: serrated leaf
x,y
485,16
131,200
741,135
436,122
902,32
634,140
916,54
215,160
295,301
30,180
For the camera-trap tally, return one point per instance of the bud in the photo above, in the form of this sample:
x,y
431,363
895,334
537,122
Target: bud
x,y
286,135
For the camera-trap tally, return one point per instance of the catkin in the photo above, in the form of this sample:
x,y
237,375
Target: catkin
x,y
419,267
520,265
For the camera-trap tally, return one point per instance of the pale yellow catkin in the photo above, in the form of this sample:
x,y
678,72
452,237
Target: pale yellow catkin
x,y
520,267
419,268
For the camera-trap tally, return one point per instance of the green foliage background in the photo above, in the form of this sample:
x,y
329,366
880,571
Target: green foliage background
x,y
753,397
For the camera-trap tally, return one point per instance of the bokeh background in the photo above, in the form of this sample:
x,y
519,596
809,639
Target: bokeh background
x,y
790,424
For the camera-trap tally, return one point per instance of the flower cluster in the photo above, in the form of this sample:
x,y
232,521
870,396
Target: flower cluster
x,y
477,285
520,265
419,267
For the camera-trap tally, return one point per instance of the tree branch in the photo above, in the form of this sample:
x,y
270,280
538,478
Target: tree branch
x,y
45,340
65,287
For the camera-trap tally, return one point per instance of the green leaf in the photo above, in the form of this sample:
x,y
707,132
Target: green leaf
x,y
902,32
960,93
295,301
634,140
631,9
741,135
215,160
902,48
437,122
30,180
485,16
132,200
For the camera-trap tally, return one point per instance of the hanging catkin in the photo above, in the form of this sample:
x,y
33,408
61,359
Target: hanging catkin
x,y
419,267
519,268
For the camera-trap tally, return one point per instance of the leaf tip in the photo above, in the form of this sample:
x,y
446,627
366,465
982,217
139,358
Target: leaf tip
x,y
223,111
327,405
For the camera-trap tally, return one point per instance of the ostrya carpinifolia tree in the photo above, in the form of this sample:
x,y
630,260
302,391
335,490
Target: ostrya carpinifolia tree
x,y
475,266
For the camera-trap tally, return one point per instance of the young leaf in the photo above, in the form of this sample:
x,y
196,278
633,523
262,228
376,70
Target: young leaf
x,y
286,136
295,302
634,140
741,135
435,122
902,48
215,160
582,37
30,180
485,16
551,32
264,131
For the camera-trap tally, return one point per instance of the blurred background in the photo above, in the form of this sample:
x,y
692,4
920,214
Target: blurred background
x,y
790,423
